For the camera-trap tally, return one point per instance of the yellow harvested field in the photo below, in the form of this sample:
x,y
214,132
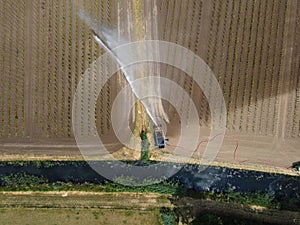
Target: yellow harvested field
x,y
25,216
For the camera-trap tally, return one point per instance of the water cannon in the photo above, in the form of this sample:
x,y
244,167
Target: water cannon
x,y
159,137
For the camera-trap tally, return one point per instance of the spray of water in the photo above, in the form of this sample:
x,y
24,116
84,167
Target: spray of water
x,y
109,40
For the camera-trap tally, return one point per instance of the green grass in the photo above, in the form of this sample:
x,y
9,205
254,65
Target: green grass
x,y
24,182
258,199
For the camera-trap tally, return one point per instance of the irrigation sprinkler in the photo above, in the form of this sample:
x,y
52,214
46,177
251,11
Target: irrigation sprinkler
x,y
159,137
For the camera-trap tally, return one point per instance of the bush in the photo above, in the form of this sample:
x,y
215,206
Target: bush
x,y
167,216
23,180
145,148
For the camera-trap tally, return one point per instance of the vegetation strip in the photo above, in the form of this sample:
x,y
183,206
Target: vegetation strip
x,y
26,159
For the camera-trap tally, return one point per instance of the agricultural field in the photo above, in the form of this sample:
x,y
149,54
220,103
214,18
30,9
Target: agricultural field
x,y
25,216
80,208
251,47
